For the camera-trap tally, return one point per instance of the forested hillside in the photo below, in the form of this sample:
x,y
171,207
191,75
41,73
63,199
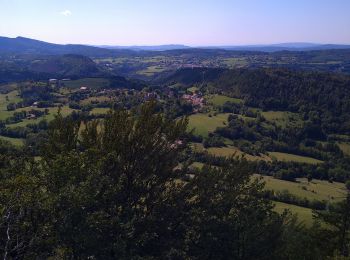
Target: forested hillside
x,y
43,67
322,98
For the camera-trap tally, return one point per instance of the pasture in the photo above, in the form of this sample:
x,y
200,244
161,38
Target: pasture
x,y
99,110
151,70
65,111
5,99
313,190
304,214
282,118
287,157
15,141
219,100
204,124
234,151
345,147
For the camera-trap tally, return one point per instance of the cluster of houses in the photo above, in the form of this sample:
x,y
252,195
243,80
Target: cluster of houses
x,y
195,99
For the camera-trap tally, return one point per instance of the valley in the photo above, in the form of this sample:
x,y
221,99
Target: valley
x,y
273,126
301,166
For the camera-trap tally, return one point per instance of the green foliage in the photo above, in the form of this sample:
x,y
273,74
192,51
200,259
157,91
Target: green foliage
x,y
114,189
337,226
229,220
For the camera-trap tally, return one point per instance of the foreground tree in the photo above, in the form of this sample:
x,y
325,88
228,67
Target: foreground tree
x,y
118,183
118,189
23,219
229,217
336,225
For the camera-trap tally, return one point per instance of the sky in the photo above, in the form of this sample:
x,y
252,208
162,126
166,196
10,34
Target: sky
x,y
189,22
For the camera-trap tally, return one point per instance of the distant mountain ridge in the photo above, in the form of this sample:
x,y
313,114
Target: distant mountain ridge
x,y
297,46
285,47
166,47
21,45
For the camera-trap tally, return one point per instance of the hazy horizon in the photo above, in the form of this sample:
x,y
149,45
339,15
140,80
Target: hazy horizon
x,y
186,45
196,23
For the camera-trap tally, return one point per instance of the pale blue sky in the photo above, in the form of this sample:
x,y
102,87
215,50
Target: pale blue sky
x,y
191,22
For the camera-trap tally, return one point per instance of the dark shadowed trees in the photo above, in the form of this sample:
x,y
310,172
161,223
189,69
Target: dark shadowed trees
x,y
117,189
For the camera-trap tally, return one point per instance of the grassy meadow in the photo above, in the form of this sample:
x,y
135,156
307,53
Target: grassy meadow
x,y
204,124
313,190
219,100
304,214
282,118
345,147
5,99
65,111
15,141
230,151
287,157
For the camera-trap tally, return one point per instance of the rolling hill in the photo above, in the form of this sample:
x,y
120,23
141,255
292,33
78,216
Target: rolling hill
x,y
21,45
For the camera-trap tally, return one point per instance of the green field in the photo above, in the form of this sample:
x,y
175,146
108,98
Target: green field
x,y
293,158
314,190
14,141
99,110
219,100
151,70
304,214
236,62
234,151
88,82
282,118
197,165
65,111
203,124
12,97
345,147
230,150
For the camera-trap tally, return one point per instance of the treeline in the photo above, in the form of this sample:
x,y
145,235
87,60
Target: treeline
x,y
286,197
